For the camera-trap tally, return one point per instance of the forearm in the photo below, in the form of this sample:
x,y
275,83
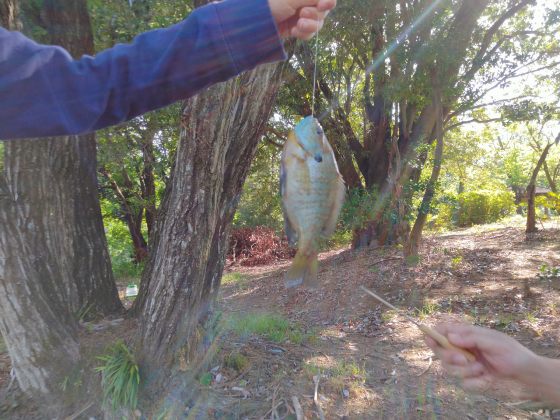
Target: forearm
x,y
43,92
543,380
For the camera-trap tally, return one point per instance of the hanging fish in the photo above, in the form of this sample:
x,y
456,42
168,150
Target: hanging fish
x,y
312,193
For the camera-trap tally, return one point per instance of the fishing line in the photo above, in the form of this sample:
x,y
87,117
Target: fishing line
x,y
399,40
315,72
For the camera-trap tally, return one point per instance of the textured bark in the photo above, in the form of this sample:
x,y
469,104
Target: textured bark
x,y
35,320
531,213
220,131
9,14
415,236
68,164
53,254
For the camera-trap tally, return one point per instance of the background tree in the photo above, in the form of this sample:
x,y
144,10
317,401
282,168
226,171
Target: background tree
x,y
378,124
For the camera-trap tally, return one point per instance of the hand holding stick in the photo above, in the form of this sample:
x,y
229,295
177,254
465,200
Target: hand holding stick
x,y
430,332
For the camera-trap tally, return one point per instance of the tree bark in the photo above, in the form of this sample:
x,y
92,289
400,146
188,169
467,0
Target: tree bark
x,y
69,165
531,213
550,178
411,247
53,254
190,242
9,15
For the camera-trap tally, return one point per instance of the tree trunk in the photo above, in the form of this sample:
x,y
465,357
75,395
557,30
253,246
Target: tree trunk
x,y
36,323
550,178
68,165
190,242
411,247
9,14
53,254
531,213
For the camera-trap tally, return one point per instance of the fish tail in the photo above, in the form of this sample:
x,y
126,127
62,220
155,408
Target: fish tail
x,y
303,270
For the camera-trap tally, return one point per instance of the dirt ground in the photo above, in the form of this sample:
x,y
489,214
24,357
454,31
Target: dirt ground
x,y
369,361
373,363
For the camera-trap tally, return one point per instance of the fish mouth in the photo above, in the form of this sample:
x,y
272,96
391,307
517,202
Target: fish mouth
x,y
318,157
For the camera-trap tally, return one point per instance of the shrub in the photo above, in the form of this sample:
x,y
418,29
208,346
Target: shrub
x,y
257,246
478,207
359,209
472,208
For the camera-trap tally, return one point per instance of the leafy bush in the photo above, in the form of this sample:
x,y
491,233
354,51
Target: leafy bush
x,y
479,207
472,208
359,209
120,377
549,202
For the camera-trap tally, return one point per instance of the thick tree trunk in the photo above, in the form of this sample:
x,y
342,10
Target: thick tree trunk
x,y
53,254
220,131
35,319
68,164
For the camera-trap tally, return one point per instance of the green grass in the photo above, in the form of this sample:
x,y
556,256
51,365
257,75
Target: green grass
x,y
428,309
389,315
456,262
234,279
120,377
529,316
236,361
272,327
205,379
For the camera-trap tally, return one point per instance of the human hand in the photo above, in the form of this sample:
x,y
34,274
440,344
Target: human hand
x,y
498,356
300,18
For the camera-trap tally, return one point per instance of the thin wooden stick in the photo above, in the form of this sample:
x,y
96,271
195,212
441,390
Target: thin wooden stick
x,y
297,408
430,332
316,397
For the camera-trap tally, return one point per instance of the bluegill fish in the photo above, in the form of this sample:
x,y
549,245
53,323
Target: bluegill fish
x,y
312,192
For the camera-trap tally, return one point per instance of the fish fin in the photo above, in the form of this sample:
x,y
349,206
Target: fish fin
x,y
310,279
336,200
303,270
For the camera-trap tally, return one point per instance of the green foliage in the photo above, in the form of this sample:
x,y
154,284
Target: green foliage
x,y
120,247
472,208
478,207
359,208
549,274
260,200
550,201
120,377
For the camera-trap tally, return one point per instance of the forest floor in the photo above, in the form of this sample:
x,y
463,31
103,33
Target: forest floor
x,y
370,362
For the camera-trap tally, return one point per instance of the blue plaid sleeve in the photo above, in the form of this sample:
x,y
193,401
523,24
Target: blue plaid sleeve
x,y
44,92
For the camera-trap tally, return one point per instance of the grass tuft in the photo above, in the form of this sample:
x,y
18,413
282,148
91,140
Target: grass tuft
x,y
236,361
120,377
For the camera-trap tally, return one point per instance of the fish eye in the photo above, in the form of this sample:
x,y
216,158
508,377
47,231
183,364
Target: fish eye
x,y
319,131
